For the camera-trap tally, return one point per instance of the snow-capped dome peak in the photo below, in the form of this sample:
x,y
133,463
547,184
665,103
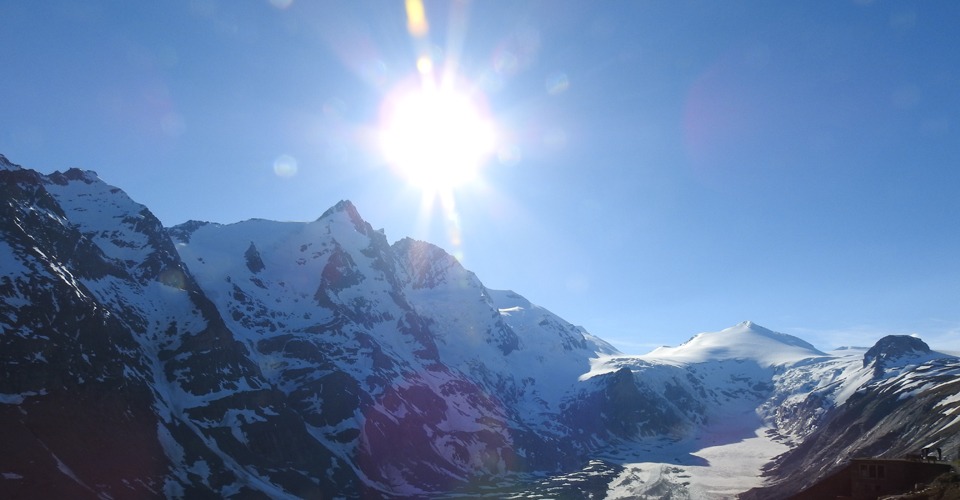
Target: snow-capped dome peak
x,y
746,341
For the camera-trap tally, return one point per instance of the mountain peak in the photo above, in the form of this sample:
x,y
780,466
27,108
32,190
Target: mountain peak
x,y
74,174
743,341
341,206
893,348
6,164
347,208
748,326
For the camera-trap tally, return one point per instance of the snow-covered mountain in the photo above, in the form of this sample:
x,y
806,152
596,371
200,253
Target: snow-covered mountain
x,y
769,412
318,360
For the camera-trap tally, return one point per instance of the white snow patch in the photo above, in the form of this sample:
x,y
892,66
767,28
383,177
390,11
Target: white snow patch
x,y
67,471
949,400
602,365
15,399
234,420
171,448
11,399
202,469
955,421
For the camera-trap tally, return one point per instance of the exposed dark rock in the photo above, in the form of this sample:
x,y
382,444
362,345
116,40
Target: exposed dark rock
x,y
893,347
254,262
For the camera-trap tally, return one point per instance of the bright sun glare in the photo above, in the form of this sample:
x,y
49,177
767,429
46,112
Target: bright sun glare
x,y
436,138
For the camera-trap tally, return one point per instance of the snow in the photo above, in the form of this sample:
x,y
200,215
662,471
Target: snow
x,y
955,421
11,399
6,165
67,471
744,373
548,362
948,401
201,469
846,351
604,364
726,470
15,399
723,459
472,326
761,430
171,448
105,214
743,434
743,341
735,467
853,379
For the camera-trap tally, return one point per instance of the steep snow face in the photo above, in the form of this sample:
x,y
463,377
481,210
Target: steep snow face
x,y
134,241
460,309
746,341
527,355
336,274
146,284
399,339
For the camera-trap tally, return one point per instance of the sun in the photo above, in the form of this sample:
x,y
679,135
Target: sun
x,y
436,138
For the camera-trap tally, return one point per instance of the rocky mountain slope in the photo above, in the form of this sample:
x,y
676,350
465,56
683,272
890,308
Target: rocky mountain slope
x,y
317,359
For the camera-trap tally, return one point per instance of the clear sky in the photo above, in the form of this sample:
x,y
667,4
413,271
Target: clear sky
x,y
657,168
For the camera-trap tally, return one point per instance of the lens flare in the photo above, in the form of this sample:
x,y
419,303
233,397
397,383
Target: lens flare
x,y
557,83
436,139
285,166
425,65
416,18
435,131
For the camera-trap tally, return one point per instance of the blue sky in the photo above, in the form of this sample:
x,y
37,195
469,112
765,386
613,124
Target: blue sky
x,y
665,168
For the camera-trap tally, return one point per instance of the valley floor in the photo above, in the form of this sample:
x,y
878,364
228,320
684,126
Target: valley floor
x,y
724,461
687,470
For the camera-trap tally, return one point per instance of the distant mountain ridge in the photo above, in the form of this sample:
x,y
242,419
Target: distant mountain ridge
x,y
316,359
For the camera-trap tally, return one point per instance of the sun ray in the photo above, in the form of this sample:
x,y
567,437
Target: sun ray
x,y
436,132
